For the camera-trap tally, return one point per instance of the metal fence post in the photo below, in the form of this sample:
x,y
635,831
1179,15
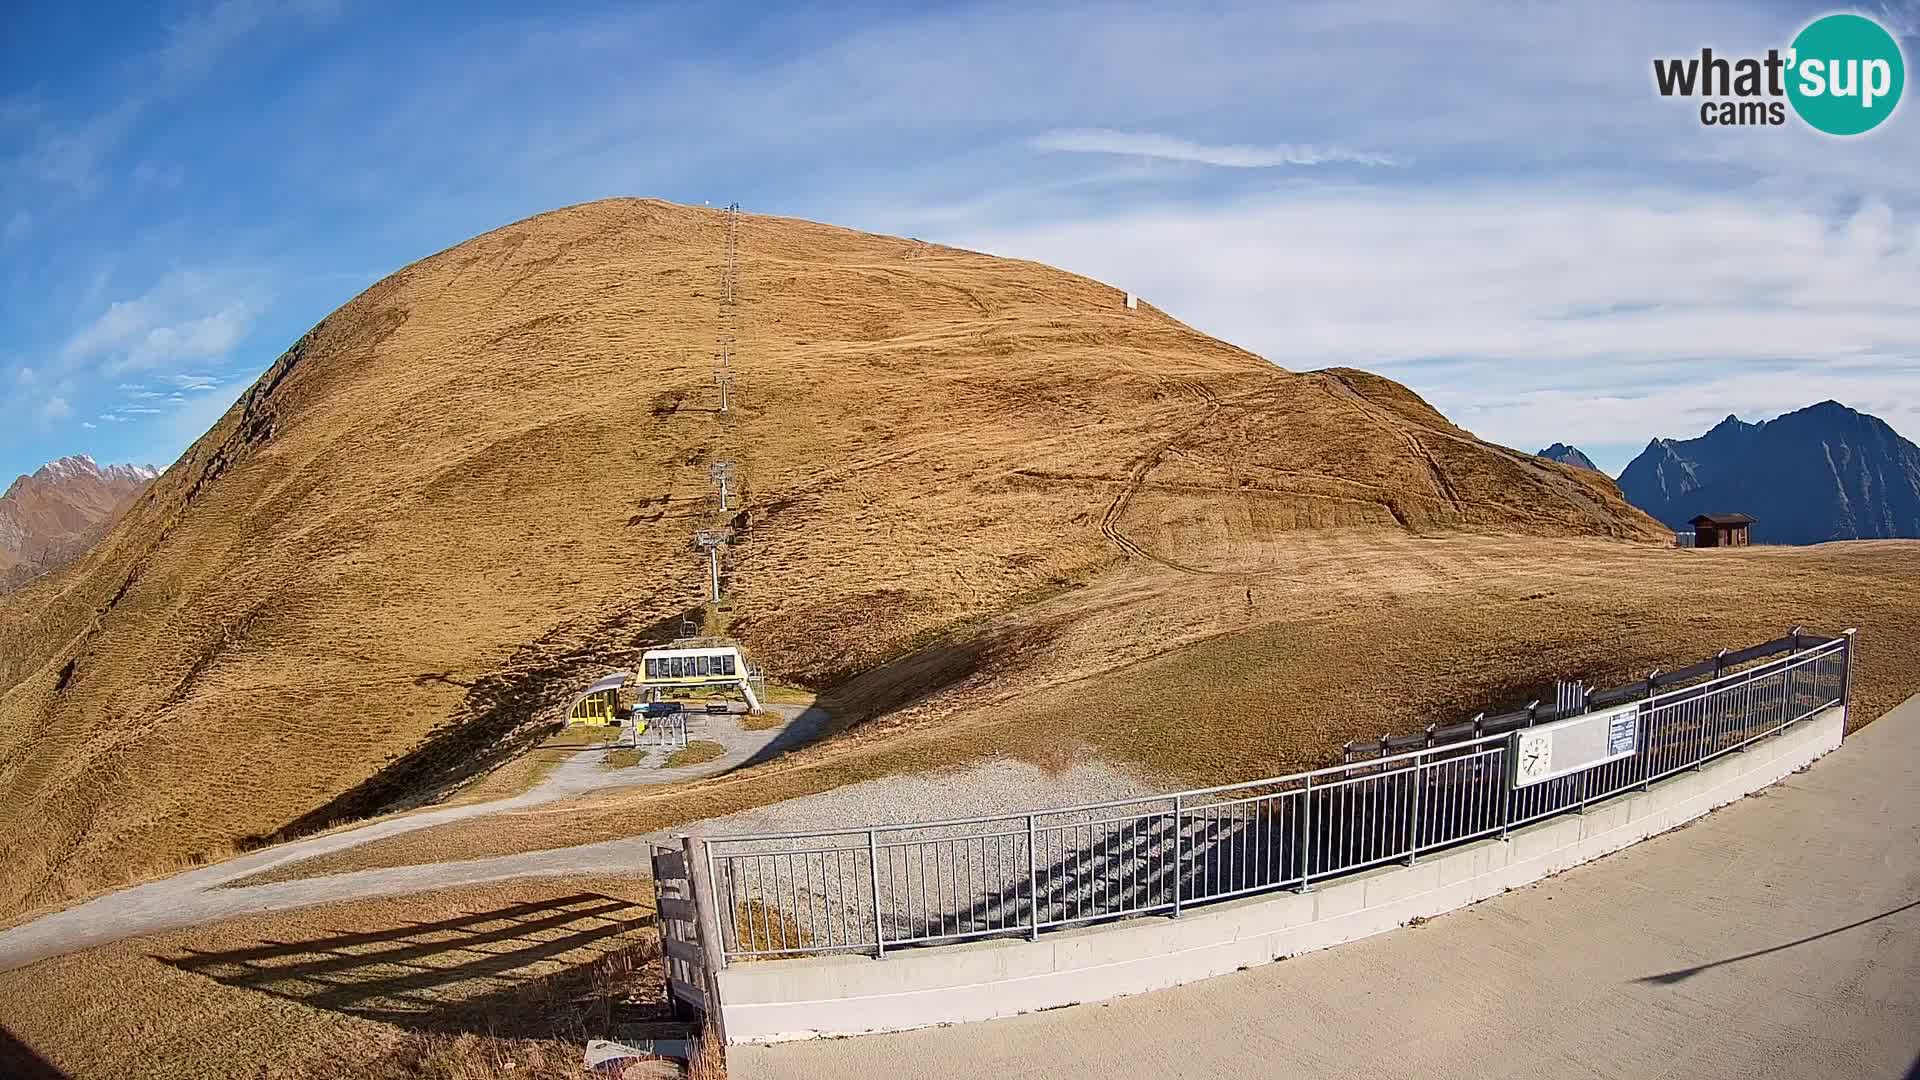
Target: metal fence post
x,y
1703,709
1413,811
1033,880
1306,838
1506,789
873,873
1846,676
1179,856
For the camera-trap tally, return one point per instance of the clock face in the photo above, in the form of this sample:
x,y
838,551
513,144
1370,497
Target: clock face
x,y
1534,755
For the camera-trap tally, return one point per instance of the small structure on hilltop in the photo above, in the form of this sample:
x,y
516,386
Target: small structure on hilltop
x,y
1721,530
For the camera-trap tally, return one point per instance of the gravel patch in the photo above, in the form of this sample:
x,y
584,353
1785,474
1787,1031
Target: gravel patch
x,y
994,787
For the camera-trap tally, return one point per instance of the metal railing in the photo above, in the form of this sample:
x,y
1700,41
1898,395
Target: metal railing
x,y
879,888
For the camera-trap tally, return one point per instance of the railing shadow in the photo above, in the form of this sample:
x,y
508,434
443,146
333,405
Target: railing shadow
x,y
482,972
1378,816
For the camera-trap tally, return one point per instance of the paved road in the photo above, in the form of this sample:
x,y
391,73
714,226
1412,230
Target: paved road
x,y
195,897
1778,937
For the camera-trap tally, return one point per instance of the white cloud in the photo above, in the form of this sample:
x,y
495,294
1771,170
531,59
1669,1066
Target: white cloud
x,y
56,408
1532,315
88,424
210,335
185,316
1170,148
110,418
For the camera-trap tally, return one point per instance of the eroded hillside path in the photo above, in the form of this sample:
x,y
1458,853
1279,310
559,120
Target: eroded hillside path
x,y
202,896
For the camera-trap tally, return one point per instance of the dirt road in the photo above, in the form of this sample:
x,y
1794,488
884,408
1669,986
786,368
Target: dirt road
x,y
1778,937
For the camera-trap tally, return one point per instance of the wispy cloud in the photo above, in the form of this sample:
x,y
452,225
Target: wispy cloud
x,y
56,408
71,154
150,175
196,41
1531,316
1231,156
73,159
185,316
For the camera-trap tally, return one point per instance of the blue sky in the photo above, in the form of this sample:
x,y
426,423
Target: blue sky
x,y
1486,201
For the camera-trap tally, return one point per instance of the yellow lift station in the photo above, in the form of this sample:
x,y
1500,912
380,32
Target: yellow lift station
x,y
599,704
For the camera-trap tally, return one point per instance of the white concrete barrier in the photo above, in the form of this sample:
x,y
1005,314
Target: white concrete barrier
x,y
778,1000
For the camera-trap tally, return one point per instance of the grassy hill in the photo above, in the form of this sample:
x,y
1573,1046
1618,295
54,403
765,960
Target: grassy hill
x,y
965,479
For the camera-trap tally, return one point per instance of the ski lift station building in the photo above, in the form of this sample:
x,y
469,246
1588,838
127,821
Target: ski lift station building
x,y
696,666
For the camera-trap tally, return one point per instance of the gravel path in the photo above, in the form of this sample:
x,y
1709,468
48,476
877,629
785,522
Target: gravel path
x,y
195,897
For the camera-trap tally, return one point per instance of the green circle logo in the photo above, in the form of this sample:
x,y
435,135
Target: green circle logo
x,y
1846,74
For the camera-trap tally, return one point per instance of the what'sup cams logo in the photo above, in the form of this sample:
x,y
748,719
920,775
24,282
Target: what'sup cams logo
x,y
1842,75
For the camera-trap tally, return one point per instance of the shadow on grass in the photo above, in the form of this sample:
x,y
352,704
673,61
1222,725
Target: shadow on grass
x,y
493,723
568,967
18,1061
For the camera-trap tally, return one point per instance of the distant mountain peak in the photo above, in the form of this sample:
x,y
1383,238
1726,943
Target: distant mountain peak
x,y
1824,472
1568,455
52,515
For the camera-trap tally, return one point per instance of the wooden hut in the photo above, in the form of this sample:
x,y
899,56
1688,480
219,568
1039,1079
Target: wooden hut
x,y
1721,530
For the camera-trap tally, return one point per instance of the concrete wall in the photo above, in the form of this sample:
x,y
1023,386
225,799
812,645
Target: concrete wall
x,y
850,995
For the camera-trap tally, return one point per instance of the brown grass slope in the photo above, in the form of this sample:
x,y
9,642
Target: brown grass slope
x,y
473,486
1176,676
